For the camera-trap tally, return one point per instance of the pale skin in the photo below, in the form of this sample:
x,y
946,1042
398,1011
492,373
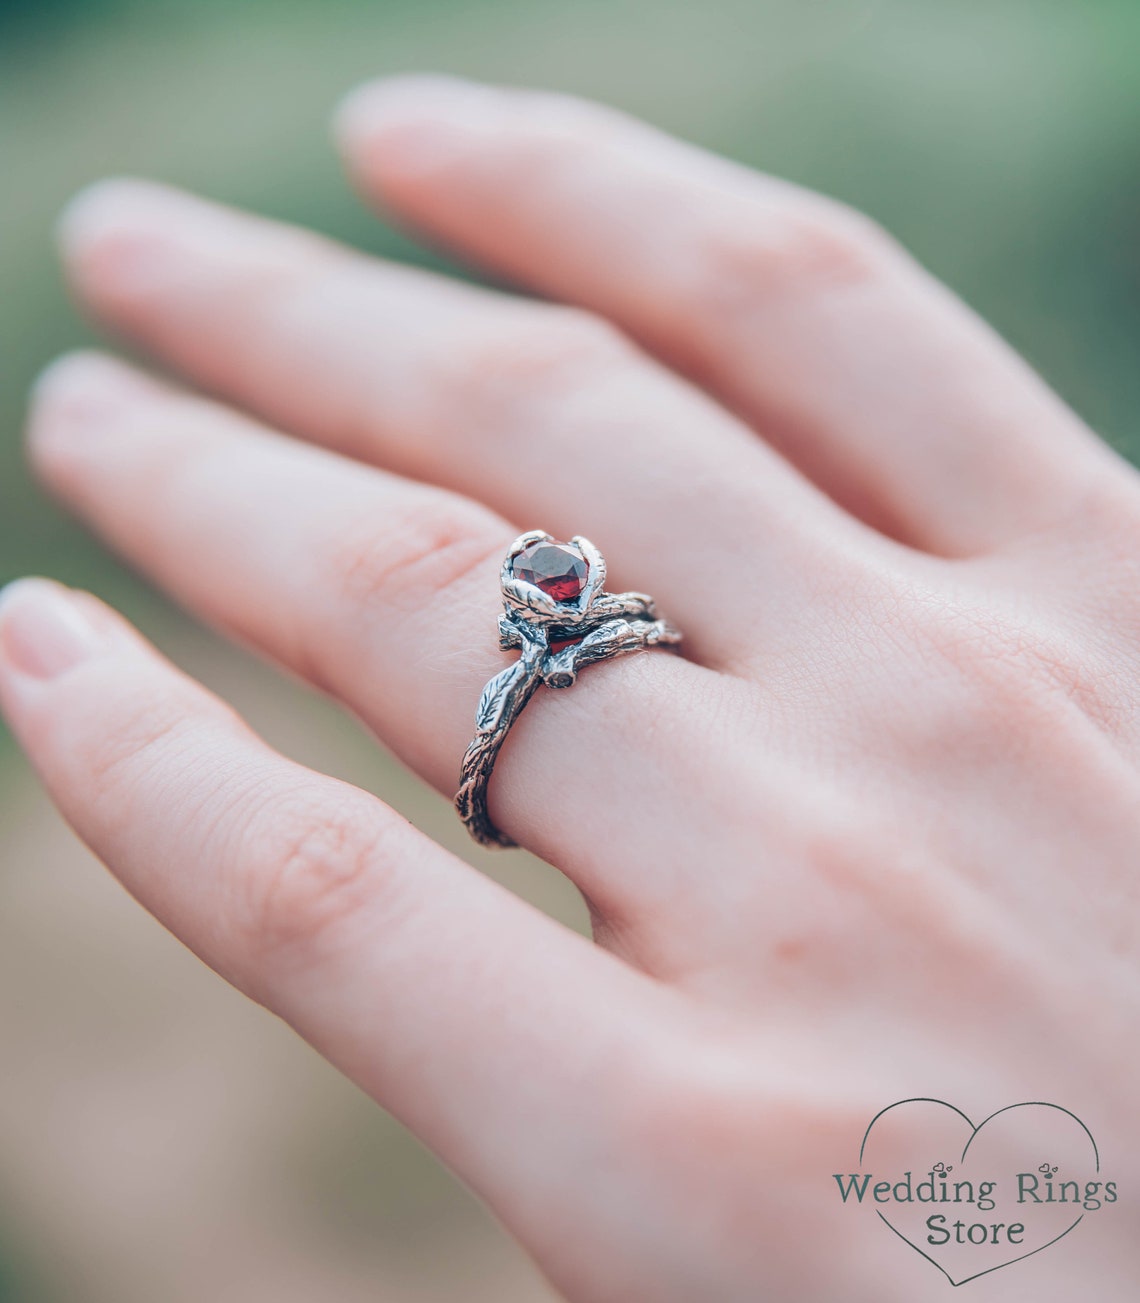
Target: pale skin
x,y
875,834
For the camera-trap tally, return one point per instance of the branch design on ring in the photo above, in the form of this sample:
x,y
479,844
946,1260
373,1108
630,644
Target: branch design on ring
x,y
557,615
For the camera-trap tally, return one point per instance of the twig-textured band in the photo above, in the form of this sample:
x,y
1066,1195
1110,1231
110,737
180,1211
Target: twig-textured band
x,y
560,619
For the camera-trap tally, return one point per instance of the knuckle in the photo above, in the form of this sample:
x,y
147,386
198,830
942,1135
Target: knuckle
x,y
717,1115
808,247
1016,686
115,757
427,550
531,359
315,868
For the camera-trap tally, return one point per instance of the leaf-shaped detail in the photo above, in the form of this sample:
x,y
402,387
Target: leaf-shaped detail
x,y
494,698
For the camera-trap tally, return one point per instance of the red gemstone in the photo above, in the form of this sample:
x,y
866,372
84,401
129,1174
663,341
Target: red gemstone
x,y
559,569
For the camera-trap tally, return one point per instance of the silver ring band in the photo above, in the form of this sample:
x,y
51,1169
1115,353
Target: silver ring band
x,y
559,617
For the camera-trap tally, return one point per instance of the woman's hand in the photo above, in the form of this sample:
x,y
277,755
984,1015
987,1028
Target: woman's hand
x,y
878,835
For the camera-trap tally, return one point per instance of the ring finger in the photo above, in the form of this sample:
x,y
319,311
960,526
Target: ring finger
x,y
382,591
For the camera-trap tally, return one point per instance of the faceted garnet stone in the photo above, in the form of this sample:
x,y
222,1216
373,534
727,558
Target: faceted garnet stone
x,y
559,569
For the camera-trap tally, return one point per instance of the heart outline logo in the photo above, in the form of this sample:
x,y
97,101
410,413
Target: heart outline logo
x,y
974,1131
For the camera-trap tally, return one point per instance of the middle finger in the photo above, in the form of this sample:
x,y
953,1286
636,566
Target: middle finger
x,y
545,414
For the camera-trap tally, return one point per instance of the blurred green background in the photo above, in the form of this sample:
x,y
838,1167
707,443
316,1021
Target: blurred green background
x,y
160,1140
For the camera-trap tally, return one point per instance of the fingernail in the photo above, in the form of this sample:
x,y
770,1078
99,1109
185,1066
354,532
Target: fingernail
x,y
419,102
43,631
119,237
89,386
106,207
74,399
